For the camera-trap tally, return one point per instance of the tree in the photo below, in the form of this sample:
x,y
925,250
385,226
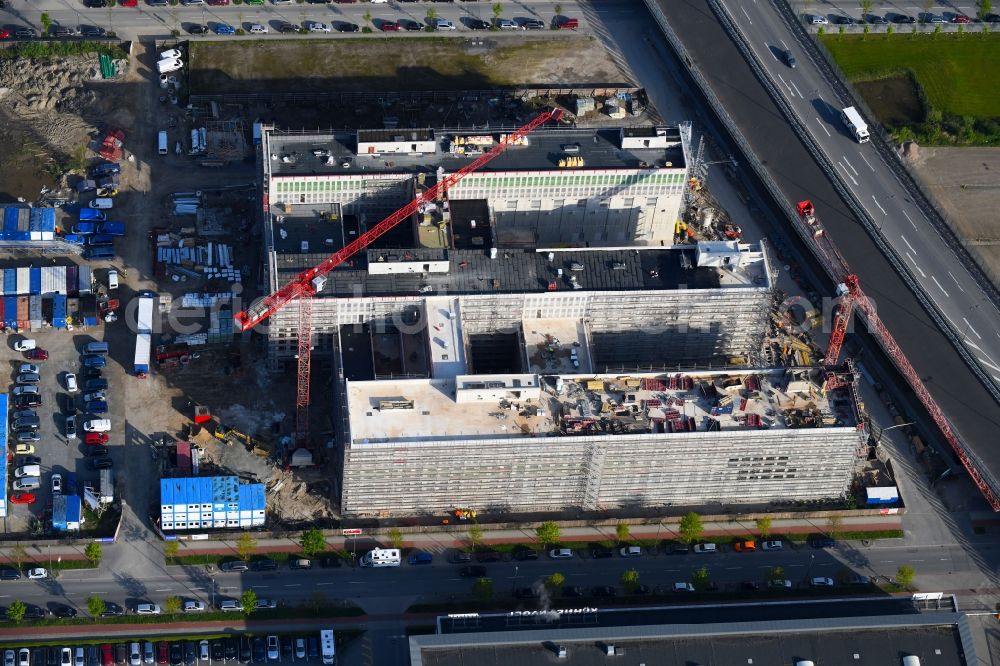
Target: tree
x,y
172,605
690,528
927,4
395,538
984,7
46,22
367,17
866,7
170,549
431,15
764,527
700,578
834,523
558,10
852,502
777,573
554,583
16,610
246,546
313,542
94,553
904,575
482,589
475,535
95,606
249,599
623,532
497,10
548,532
19,555
630,580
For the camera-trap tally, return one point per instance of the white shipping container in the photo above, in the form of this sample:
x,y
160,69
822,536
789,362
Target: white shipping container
x,y
53,280
23,281
2,293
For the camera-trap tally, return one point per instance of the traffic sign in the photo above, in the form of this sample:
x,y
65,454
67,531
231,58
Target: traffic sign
x,y
352,532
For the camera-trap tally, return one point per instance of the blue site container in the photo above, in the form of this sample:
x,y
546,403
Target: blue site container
x,y
10,219
48,219
10,281
35,281
10,311
19,236
59,311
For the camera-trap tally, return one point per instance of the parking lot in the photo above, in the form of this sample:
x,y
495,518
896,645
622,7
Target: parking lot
x,y
54,451
303,648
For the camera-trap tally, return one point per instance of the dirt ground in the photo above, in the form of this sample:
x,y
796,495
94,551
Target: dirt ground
x,y
966,183
379,64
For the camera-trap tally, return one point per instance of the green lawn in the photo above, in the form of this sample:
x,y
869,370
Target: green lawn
x,y
955,70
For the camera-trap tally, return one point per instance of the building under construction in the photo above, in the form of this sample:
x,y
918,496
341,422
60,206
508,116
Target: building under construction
x,y
543,297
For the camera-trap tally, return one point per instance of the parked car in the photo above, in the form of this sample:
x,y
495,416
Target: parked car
x,y
264,564
487,556
820,541
443,24
389,26
97,451
772,545
631,551
38,573
23,498
112,609
193,606
780,584
560,553
745,546
273,650
533,24
683,587
25,390
474,571
224,29
29,378
420,557
478,24
28,436
230,605
285,26
197,29
62,610
266,604
92,438
94,361
317,26
37,354
57,484
97,407
92,31
147,609
24,344
300,563
70,427
524,554
601,552
101,462
821,582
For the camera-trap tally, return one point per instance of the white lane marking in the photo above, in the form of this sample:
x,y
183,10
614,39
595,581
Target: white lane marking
x,y
261,587
848,173
866,160
995,377
733,568
971,329
960,287
797,90
822,126
325,584
848,163
771,51
879,205
909,220
786,84
940,287
908,244
293,585
166,589
4,596
781,40
988,364
922,274
747,15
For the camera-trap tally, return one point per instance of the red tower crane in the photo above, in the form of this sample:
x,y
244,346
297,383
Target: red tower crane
x,y
310,281
851,296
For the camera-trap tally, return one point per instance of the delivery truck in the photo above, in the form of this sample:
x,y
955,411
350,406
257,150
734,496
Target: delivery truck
x,y
856,124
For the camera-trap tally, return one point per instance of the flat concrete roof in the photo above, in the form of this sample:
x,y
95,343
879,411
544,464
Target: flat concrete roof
x,y
296,154
615,405
524,271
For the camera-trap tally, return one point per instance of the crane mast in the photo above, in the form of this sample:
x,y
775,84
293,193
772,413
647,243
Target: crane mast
x,y
304,286
851,296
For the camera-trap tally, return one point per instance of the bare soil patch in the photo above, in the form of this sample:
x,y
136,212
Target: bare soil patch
x,y
894,100
432,63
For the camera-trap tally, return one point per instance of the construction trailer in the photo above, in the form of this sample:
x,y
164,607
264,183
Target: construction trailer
x,y
145,321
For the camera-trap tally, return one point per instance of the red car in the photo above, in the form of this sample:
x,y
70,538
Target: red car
x,y
130,3
107,655
390,26
4,34
36,354
961,18
95,438
162,652
23,498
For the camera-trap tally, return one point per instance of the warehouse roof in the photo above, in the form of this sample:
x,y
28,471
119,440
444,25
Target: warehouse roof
x,y
527,271
327,154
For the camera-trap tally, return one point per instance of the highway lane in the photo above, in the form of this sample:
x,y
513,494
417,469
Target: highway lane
x,y
932,264
969,406
157,22
396,588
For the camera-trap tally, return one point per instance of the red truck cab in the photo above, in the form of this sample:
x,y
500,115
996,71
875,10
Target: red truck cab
x,y
568,23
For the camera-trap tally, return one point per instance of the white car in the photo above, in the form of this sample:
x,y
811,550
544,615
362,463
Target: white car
x,y
442,24
194,607
28,367
273,651
822,582
24,657
65,657
631,551
772,545
112,279
97,425
203,650
683,587
316,26
560,553
71,383
257,29
816,19
171,54
25,345
57,484
134,655
780,584
78,657
25,390
8,658
147,609
38,573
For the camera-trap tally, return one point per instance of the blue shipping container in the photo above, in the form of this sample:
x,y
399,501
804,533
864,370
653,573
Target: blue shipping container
x,y
19,236
10,281
49,219
35,281
10,220
10,311
59,311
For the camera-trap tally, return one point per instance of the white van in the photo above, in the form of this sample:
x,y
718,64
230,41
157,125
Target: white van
x,y
27,470
27,483
705,548
163,142
328,645
381,557
169,65
112,280
172,54
102,203
257,29
97,425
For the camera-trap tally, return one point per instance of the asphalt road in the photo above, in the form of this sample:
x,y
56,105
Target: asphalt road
x,y
157,22
957,390
396,588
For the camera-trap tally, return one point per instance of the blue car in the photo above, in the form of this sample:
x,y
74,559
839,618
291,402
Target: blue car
x,y
94,361
224,29
97,407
